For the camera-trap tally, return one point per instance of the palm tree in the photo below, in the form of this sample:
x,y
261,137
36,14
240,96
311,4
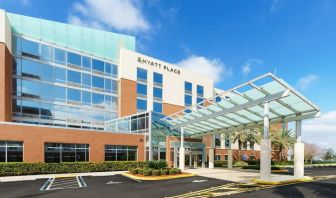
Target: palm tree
x,y
283,139
248,135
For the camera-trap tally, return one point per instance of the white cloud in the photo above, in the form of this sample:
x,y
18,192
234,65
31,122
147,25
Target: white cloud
x,y
213,68
247,66
122,15
304,82
321,131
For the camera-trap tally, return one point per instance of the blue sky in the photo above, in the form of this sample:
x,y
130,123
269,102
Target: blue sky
x,y
231,41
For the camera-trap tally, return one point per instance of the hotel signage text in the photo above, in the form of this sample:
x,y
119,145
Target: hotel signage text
x,y
158,65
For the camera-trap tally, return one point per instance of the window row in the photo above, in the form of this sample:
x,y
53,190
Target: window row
x,y
37,90
48,53
142,91
28,110
36,70
120,153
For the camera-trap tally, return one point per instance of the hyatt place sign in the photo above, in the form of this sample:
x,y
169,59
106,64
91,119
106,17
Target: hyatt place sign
x,y
158,65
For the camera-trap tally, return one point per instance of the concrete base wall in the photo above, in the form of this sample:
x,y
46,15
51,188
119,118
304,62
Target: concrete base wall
x,y
299,160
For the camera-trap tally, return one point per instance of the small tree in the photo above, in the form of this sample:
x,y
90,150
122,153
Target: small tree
x,y
283,140
311,151
329,154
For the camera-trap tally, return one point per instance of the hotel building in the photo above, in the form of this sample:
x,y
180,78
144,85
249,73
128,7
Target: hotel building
x,y
70,93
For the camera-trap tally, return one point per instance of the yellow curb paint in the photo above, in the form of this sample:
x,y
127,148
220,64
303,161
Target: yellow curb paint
x,y
65,176
280,171
158,177
305,179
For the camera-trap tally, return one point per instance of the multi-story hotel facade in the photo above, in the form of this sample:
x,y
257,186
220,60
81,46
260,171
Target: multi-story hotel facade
x,y
70,93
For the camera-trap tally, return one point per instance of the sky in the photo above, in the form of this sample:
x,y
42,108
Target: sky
x,y
231,41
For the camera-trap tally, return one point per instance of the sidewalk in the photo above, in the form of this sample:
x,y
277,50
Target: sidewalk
x,y
46,176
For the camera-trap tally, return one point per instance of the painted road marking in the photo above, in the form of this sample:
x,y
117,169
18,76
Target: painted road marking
x,y
113,182
200,181
233,188
57,183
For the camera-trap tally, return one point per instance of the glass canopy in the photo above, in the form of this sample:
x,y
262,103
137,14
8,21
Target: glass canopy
x,y
243,107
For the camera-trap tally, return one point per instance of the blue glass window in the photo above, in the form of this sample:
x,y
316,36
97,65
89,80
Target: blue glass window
x,y
60,74
157,92
157,78
188,87
31,68
30,107
98,116
47,72
142,74
74,77
74,95
98,82
108,102
30,47
47,52
218,99
157,107
114,70
46,91
86,97
187,100
74,59
86,62
98,65
59,56
199,100
86,80
97,99
141,105
114,86
17,45
60,93
142,89
30,88
108,68
108,85
200,90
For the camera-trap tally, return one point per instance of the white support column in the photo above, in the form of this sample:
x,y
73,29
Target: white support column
x,y
298,152
265,148
212,152
182,151
195,161
150,147
175,156
230,152
222,140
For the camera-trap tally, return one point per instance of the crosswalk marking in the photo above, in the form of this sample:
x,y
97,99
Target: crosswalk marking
x,y
63,183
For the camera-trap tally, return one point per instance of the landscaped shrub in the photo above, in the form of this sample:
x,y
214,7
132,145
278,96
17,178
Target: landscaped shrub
x,y
172,171
283,163
147,172
164,172
157,164
141,171
240,163
177,170
19,168
221,163
252,162
135,171
156,172
257,167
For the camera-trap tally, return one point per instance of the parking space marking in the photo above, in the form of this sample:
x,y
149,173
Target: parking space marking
x,y
57,183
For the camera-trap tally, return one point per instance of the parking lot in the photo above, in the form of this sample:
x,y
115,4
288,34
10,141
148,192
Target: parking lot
x,y
197,186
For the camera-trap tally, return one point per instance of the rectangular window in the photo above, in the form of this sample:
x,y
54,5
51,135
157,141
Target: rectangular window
x,y
86,97
74,59
60,74
31,69
142,90
114,70
60,56
141,105
97,65
98,82
252,157
86,62
200,91
157,107
108,68
188,87
199,100
157,93
217,157
47,72
60,152
31,89
60,93
74,95
108,85
30,48
187,100
157,79
74,77
226,157
11,151
47,53
97,99
141,74
86,80
121,153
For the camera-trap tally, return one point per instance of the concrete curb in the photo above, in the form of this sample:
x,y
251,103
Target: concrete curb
x,y
46,176
304,179
156,178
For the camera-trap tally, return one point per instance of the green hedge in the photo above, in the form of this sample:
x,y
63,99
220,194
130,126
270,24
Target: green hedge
x,y
221,163
19,168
